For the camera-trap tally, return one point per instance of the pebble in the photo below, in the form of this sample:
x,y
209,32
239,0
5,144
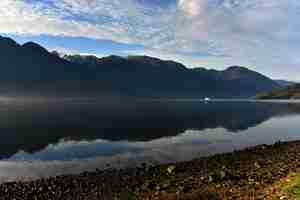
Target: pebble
x,y
231,173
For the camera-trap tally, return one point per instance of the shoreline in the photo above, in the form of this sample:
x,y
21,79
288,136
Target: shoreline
x,y
243,174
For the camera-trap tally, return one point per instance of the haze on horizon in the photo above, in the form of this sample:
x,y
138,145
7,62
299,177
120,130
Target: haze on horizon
x,y
260,34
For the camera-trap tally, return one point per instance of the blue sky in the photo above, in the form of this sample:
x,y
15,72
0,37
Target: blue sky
x,y
260,34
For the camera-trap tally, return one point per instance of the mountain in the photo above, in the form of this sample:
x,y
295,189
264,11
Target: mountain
x,y
289,92
172,79
31,69
30,62
285,83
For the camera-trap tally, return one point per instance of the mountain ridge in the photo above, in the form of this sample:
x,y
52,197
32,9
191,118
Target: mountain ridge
x,y
30,68
285,83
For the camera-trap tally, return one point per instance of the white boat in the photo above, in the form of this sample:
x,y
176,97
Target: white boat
x,y
206,99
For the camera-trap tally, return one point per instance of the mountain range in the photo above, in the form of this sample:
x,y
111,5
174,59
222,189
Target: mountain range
x,y
285,83
30,69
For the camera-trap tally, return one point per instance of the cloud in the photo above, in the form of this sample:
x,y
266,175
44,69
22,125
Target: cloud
x,y
191,8
261,33
64,18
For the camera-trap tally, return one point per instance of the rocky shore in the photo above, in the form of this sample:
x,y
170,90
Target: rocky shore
x,y
247,174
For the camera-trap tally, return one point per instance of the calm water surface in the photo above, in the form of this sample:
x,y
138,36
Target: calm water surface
x,y
63,137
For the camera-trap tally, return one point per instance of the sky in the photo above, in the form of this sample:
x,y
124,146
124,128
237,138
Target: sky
x,y
263,35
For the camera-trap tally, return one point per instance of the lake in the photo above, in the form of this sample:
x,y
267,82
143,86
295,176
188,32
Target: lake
x,y
49,138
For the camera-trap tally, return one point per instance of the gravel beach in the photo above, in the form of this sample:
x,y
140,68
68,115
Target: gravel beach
x,y
246,174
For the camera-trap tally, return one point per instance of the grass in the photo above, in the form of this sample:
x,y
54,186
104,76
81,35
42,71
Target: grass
x,y
292,187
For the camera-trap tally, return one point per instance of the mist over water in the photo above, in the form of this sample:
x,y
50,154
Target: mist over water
x,y
71,135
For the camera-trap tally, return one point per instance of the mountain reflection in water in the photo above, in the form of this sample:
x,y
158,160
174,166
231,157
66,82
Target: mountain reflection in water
x,y
133,132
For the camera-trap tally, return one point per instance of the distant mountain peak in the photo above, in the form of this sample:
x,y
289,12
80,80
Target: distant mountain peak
x,y
156,61
127,62
5,41
285,83
34,47
237,68
142,57
113,57
147,58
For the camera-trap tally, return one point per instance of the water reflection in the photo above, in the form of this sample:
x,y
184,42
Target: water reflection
x,y
78,136
31,128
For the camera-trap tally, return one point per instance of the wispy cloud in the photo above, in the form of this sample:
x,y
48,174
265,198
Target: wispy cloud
x,y
261,33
